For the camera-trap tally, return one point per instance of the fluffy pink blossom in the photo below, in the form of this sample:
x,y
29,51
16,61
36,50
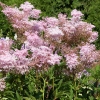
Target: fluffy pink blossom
x,y
41,55
38,26
54,33
89,26
20,18
26,6
33,39
86,49
45,48
23,25
51,21
62,18
14,61
2,85
82,26
54,59
22,62
44,37
88,54
7,61
68,28
21,53
93,37
85,27
76,15
5,44
35,13
71,60
13,13
22,66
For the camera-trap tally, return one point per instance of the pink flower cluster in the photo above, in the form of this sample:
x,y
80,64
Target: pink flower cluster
x,y
20,17
11,60
72,61
44,56
2,84
88,54
45,39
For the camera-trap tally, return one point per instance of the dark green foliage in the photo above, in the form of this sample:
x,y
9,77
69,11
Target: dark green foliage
x,y
94,18
50,85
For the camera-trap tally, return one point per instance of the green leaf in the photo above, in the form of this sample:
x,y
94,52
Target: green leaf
x,y
60,83
9,93
18,96
28,98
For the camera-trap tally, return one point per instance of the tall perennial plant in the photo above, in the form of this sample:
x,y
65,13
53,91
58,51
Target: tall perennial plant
x,y
47,41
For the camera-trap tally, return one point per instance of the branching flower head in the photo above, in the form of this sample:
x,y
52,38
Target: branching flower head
x,y
2,84
72,61
26,6
76,15
88,54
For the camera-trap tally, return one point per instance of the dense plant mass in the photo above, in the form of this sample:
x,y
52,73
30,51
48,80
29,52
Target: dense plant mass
x,y
90,8
46,42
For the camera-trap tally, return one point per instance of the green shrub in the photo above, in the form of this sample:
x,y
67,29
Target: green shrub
x,y
52,85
